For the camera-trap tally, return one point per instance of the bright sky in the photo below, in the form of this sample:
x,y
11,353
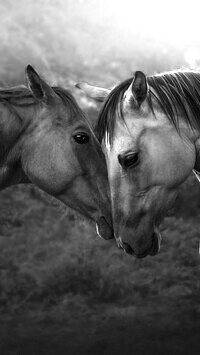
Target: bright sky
x,y
173,20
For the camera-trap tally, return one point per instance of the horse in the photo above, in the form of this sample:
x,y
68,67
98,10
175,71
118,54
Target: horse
x,y
149,128
46,139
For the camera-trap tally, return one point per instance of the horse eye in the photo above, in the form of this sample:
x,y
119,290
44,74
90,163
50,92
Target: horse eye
x,y
81,138
128,160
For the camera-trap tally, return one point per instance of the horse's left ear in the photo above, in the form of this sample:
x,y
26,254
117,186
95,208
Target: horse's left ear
x,y
139,87
40,89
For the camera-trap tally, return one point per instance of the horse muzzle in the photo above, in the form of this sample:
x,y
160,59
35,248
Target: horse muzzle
x,y
103,228
152,250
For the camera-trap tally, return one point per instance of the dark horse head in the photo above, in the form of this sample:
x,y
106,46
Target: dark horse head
x,y
46,139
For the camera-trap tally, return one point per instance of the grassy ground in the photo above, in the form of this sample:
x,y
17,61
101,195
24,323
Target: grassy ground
x,y
65,291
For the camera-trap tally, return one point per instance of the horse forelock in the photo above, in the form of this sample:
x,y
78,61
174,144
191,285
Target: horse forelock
x,y
177,93
111,109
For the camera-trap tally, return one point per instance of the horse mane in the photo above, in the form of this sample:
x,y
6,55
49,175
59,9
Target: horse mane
x,y
21,96
176,92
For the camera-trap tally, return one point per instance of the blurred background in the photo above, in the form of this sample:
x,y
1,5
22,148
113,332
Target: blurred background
x,y
62,289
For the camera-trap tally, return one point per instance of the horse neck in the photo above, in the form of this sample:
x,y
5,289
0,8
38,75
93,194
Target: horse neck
x,y
191,135
13,123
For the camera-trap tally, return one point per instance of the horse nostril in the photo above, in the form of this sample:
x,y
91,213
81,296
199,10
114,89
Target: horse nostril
x,y
128,249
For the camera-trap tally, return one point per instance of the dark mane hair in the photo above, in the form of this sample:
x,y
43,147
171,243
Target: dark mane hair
x,y
176,93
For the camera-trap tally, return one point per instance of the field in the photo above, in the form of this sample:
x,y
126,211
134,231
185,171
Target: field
x,y
62,289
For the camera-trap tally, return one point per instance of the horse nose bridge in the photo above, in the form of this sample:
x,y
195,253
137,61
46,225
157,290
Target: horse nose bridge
x,y
103,193
101,197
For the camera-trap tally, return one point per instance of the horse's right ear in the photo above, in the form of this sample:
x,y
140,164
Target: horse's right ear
x,y
40,89
94,92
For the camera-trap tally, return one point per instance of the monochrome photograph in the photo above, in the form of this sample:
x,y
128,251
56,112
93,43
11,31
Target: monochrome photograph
x,y
99,177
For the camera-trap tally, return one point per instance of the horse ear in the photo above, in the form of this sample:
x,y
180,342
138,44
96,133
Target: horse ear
x,y
139,87
94,92
40,89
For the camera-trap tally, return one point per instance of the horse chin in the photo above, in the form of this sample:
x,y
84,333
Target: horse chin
x,y
103,229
